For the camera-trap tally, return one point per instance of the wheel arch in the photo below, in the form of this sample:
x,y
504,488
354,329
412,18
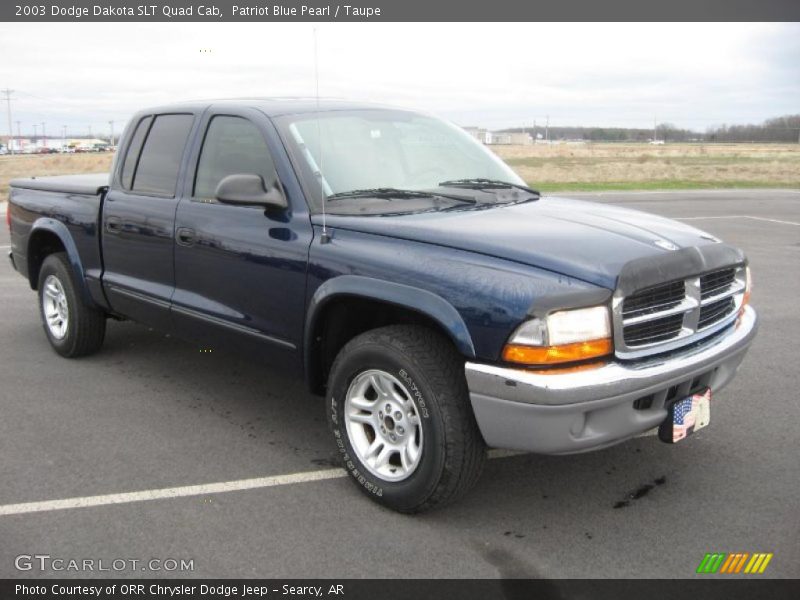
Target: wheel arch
x,y
47,237
355,296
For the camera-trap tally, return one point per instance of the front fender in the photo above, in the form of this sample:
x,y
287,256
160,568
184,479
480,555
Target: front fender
x,y
422,301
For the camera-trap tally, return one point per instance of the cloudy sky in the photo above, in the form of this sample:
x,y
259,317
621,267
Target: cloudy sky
x,y
493,75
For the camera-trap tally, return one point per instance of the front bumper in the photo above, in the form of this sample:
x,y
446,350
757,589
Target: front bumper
x,y
568,412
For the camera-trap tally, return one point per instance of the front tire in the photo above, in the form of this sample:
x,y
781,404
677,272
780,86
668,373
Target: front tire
x,y
72,327
399,410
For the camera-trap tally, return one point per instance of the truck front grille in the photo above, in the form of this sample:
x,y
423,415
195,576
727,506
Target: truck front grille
x,y
711,313
716,282
665,316
654,299
656,330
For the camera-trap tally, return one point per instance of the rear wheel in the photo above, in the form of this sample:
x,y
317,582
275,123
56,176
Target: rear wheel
x,y
73,327
400,414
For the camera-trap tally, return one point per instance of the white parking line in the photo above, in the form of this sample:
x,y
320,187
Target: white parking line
x,y
190,490
679,192
709,217
775,221
737,217
174,492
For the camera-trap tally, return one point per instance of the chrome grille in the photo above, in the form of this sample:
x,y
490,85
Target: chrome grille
x,y
714,283
675,313
657,330
654,299
711,313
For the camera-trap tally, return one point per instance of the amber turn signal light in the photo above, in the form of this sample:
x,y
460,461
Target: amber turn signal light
x,y
553,355
747,289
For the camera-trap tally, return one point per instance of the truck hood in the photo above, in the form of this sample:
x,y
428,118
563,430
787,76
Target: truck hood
x,y
585,240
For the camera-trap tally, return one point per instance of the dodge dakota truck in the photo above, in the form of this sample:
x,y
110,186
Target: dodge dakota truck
x,y
437,303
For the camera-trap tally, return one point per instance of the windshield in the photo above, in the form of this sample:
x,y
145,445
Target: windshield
x,y
363,150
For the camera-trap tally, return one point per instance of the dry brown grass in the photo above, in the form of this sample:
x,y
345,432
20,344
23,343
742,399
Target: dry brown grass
x,y
41,165
626,166
557,166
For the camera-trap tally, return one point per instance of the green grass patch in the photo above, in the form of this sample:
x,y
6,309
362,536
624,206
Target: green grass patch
x,y
699,161
666,184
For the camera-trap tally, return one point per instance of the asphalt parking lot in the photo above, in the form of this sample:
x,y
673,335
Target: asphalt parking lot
x,y
150,413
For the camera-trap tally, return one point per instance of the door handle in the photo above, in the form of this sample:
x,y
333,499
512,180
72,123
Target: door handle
x,y
185,236
113,225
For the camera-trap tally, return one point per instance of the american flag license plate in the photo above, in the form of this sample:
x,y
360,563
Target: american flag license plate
x,y
685,417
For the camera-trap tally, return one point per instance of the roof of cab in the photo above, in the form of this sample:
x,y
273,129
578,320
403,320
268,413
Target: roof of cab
x,y
272,107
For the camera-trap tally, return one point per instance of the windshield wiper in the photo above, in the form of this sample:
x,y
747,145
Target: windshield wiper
x,y
395,194
479,183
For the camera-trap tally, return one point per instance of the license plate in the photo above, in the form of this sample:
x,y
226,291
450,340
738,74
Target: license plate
x,y
686,417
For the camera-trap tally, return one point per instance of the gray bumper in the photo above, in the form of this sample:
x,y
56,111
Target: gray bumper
x,y
567,412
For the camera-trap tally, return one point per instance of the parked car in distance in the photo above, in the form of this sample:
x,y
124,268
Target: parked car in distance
x,y
411,278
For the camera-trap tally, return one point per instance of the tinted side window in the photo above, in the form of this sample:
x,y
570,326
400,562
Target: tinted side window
x,y
232,145
134,148
157,172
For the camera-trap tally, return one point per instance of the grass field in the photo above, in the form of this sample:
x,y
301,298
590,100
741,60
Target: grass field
x,y
595,167
558,167
41,165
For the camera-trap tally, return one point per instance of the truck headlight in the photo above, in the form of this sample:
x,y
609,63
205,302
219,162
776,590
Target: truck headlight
x,y
563,336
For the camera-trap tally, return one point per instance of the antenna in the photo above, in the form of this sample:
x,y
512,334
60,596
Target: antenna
x,y
326,238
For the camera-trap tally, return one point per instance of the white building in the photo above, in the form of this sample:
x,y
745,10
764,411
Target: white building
x,y
484,136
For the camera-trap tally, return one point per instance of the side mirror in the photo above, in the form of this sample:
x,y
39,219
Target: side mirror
x,y
247,189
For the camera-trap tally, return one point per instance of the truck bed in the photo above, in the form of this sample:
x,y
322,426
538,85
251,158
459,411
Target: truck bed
x,y
66,206
90,185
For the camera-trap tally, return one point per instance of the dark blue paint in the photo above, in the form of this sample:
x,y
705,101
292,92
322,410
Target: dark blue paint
x,y
585,240
259,280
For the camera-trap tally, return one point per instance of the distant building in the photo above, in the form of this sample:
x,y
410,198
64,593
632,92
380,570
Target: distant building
x,y
28,145
500,139
484,136
519,138
504,138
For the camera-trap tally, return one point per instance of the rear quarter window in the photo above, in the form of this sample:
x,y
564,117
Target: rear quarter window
x,y
160,159
134,149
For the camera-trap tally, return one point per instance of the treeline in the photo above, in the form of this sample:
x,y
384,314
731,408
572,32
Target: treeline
x,y
784,129
780,129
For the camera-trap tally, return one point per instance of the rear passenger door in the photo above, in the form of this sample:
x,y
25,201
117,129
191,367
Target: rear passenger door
x,y
240,271
139,218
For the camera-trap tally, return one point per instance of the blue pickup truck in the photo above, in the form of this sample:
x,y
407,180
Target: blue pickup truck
x,y
406,273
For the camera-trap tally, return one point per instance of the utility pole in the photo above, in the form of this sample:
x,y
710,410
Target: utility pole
x,y
64,138
35,132
44,136
654,128
111,123
8,93
547,130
